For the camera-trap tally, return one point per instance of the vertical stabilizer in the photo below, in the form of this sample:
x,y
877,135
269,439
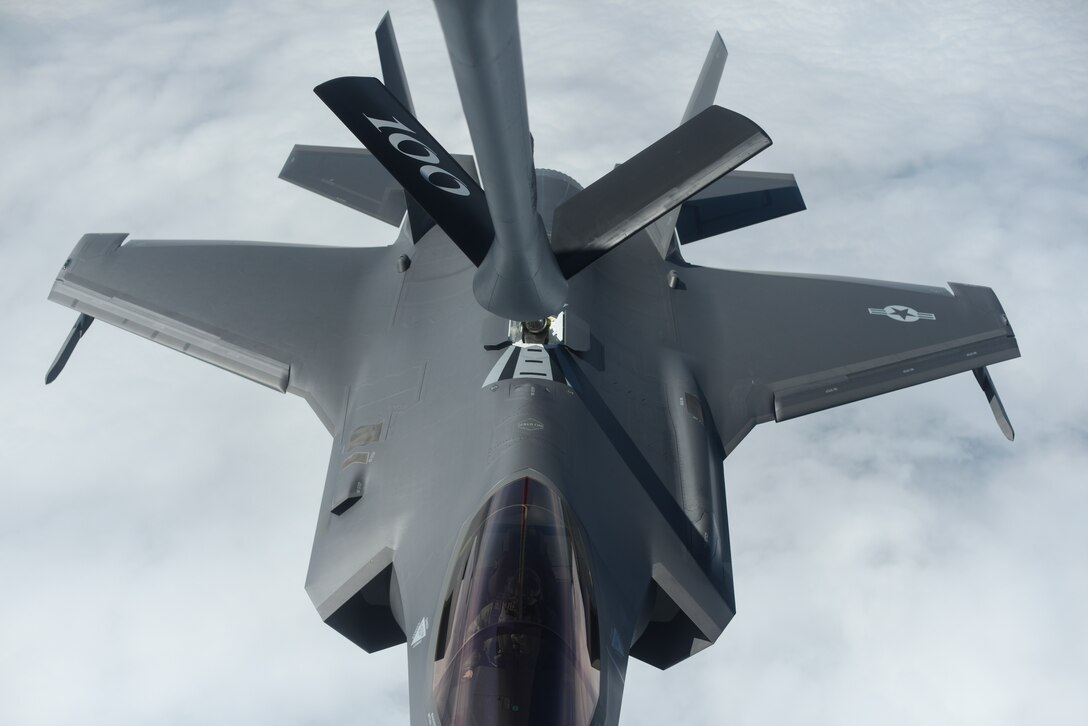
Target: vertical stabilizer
x,y
419,222
702,97
393,75
706,88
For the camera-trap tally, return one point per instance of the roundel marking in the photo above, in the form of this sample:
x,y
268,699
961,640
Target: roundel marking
x,y
902,313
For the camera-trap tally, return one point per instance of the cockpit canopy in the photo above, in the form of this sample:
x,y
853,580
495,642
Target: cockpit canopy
x,y
517,641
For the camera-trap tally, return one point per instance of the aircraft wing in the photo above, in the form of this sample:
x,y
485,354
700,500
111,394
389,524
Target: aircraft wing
x,y
776,346
273,313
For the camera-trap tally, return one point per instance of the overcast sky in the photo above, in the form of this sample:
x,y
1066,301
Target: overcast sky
x,y
897,561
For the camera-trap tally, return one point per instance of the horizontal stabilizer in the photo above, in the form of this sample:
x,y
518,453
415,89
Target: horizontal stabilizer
x,y
738,200
354,178
415,159
652,182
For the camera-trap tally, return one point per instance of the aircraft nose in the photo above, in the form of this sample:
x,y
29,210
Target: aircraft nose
x,y
517,638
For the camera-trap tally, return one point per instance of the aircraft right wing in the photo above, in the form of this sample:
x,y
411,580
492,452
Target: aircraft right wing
x,y
277,314
775,346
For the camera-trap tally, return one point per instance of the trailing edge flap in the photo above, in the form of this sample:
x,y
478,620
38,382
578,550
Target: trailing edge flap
x,y
277,314
354,178
415,159
738,200
652,182
772,346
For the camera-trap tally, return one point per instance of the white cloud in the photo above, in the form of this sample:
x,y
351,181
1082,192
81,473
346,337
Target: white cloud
x,y
895,560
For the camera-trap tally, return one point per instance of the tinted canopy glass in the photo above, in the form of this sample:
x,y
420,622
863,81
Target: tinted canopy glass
x,y
515,641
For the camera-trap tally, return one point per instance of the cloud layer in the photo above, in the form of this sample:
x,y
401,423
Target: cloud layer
x,y
896,560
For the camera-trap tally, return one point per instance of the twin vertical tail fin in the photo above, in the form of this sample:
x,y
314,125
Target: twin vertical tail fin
x,y
396,81
663,231
522,272
681,189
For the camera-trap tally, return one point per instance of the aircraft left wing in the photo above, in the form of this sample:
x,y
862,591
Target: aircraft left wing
x,y
276,314
776,346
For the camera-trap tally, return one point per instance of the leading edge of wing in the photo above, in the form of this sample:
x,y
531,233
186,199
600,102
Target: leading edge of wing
x,y
777,346
276,314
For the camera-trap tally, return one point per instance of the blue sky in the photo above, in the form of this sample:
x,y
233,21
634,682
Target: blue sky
x,y
896,560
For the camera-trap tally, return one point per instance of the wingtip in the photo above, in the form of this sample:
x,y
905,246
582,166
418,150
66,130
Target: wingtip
x,y
385,21
719,44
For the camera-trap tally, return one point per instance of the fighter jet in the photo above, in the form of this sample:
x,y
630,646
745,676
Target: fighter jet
x,y
530,392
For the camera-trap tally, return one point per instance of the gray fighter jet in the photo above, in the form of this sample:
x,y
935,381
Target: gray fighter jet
x,y
530,392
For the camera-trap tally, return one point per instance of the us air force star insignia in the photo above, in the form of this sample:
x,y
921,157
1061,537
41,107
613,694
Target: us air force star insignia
x,y
902,313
